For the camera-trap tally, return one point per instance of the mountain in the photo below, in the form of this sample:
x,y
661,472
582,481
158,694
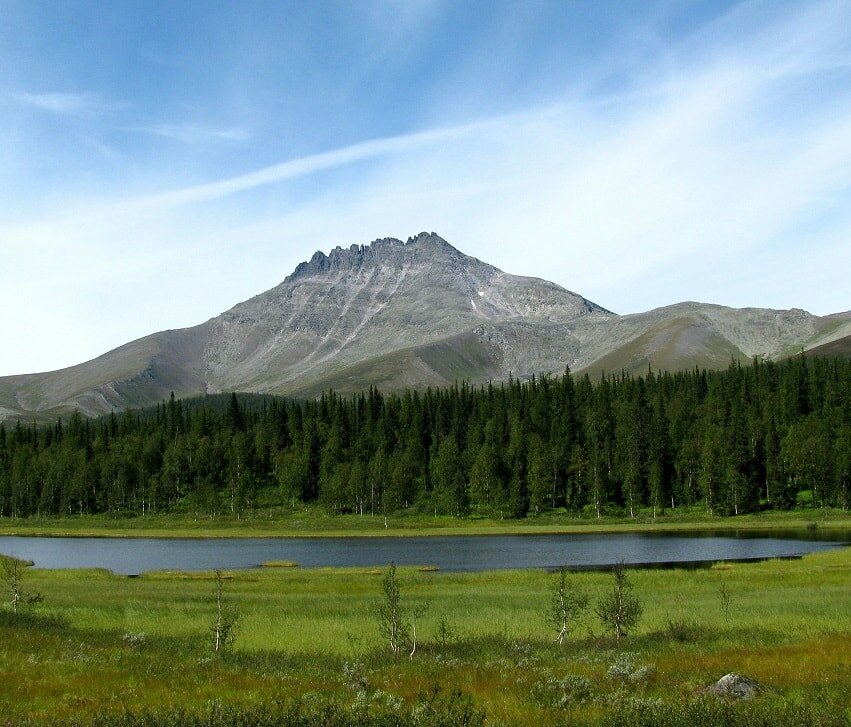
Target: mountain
x,y
413,314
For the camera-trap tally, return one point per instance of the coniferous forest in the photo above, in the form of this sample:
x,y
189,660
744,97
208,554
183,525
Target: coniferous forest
x,y
766,435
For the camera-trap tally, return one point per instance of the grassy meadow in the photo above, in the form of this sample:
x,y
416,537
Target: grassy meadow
x,y
315,521
100,644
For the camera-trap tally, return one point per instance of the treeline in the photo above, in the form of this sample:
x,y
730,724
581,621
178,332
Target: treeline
x,y
764,435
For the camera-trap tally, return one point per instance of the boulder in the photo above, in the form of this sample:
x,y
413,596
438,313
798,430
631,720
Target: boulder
x,y
734,686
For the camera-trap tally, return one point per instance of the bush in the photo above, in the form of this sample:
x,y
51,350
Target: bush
x,y
683,631
626,669
554,693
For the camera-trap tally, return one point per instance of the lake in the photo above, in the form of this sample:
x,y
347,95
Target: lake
x,y
130,556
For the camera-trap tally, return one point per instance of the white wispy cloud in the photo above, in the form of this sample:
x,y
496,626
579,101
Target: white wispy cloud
x,y
66,104
304,166
191,133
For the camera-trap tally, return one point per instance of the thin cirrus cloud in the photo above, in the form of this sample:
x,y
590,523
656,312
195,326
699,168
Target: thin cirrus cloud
x,y
66,104
195,133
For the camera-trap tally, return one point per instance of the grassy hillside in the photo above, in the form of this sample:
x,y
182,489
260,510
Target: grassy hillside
x,y
840,348
679,344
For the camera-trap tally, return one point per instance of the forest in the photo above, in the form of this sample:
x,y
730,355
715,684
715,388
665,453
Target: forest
x,y
759,436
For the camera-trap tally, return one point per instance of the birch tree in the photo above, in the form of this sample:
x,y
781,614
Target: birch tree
x,y
13,572
391,621
225,618
619,609
567,606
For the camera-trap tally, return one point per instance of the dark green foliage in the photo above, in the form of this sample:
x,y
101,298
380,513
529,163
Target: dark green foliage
x,y
751,437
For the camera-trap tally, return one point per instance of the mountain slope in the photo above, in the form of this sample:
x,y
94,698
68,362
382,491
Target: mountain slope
x,y
412,314
838,348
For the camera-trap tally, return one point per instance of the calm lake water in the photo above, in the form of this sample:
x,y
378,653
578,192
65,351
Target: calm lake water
x,y
466,553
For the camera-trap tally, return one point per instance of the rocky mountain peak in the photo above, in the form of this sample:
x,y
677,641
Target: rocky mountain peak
x,y
429,245
432,239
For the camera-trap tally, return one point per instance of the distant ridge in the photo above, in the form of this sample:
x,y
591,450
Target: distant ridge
x,y
411,314
839,348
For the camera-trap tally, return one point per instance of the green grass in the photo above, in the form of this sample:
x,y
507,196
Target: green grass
x,y
316,522
302,633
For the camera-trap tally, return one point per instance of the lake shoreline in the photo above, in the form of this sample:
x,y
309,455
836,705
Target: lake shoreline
x,y
309,525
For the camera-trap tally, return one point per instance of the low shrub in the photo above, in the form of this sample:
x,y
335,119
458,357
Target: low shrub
x,y
554,693
685,632
626,669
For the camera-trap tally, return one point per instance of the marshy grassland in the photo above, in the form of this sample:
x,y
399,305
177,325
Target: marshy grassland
x,y
100,646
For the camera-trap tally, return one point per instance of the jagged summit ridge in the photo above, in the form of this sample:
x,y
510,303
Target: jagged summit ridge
x,y
356,255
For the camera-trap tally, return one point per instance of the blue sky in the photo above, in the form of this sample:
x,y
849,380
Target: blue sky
x,y
160,162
